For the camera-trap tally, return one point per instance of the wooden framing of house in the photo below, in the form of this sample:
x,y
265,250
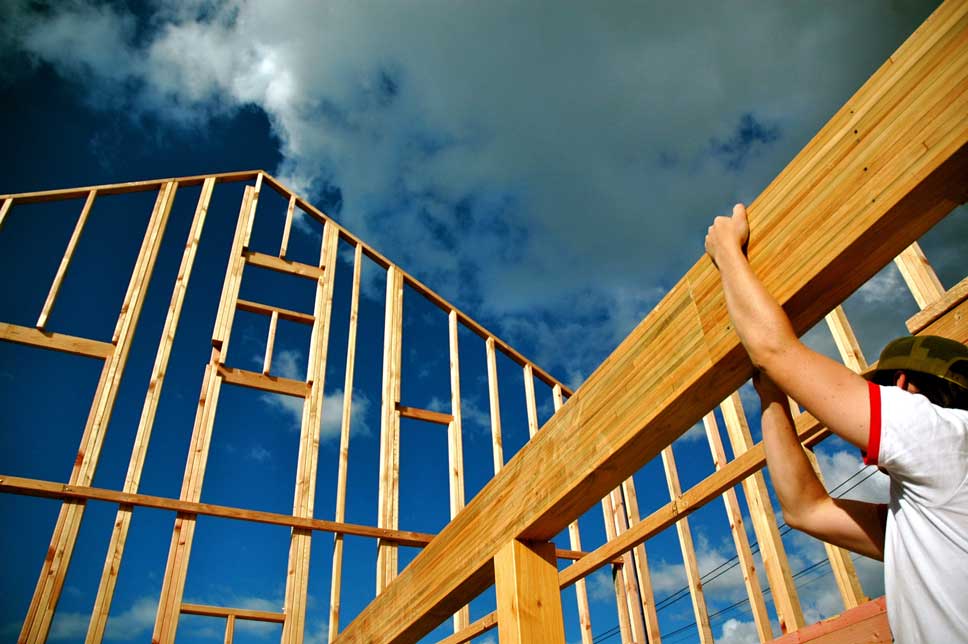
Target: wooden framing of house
x,y
888,165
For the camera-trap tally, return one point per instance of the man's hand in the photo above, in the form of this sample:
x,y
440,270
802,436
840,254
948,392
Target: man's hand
x,y
728,234
767,389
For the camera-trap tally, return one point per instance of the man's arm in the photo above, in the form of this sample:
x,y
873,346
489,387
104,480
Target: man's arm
x,y
834,394
807,506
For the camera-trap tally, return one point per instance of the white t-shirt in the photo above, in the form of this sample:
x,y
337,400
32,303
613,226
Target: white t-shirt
x,y
924,448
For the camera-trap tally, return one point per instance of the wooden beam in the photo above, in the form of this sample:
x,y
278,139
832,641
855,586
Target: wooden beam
x,y
280,265
262,382
919,276
344,447
528,599
234,268
957,295
775,561
618,579
229,628
284,245
43,196
183,531
574,539
36,625
427,415
455,447
530,401
55,341
66,261
239,613
846,341
122,523
389,491
268,310
866,624
819,231
736,526
304,497
476,629
5,210
693,577
642,574
494,399
632,598
270,343
253,204
68,492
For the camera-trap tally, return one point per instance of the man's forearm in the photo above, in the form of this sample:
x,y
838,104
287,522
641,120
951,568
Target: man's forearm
x,y
797,486
763,327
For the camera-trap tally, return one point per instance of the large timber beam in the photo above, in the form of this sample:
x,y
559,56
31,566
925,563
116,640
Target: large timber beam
x,y
887,166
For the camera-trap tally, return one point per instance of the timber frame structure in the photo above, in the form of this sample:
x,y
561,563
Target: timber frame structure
x,y
888,165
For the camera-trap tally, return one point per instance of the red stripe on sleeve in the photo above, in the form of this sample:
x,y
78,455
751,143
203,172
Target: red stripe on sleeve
x,y
874,438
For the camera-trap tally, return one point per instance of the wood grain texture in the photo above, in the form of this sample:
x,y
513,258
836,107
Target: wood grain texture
x,y
775,561
66,261
737,528
822,228
528,600
919,276
344,447
280,265
494,401
55,341
426,415
389,490
956,295
691,564
304,496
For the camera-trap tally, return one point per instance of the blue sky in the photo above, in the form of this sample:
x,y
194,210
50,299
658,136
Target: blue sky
x,y
548,168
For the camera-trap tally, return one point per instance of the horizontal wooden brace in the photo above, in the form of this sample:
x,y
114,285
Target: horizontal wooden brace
x,y
425,414
280,265
474,629
238,613
55,341
864,623
62,491
130,186
268,309
273,384
955,296
52,490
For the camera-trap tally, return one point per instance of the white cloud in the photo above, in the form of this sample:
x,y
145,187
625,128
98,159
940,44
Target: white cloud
x,y
600,586
290,364
259,454
737,632
839,466
552,171
694,434
128,624
292,409
887,287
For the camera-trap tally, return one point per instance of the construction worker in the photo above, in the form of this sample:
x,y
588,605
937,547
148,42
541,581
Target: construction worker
x,y
915,430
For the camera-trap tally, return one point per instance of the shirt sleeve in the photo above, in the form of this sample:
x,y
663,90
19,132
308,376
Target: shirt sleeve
x,y
920,444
